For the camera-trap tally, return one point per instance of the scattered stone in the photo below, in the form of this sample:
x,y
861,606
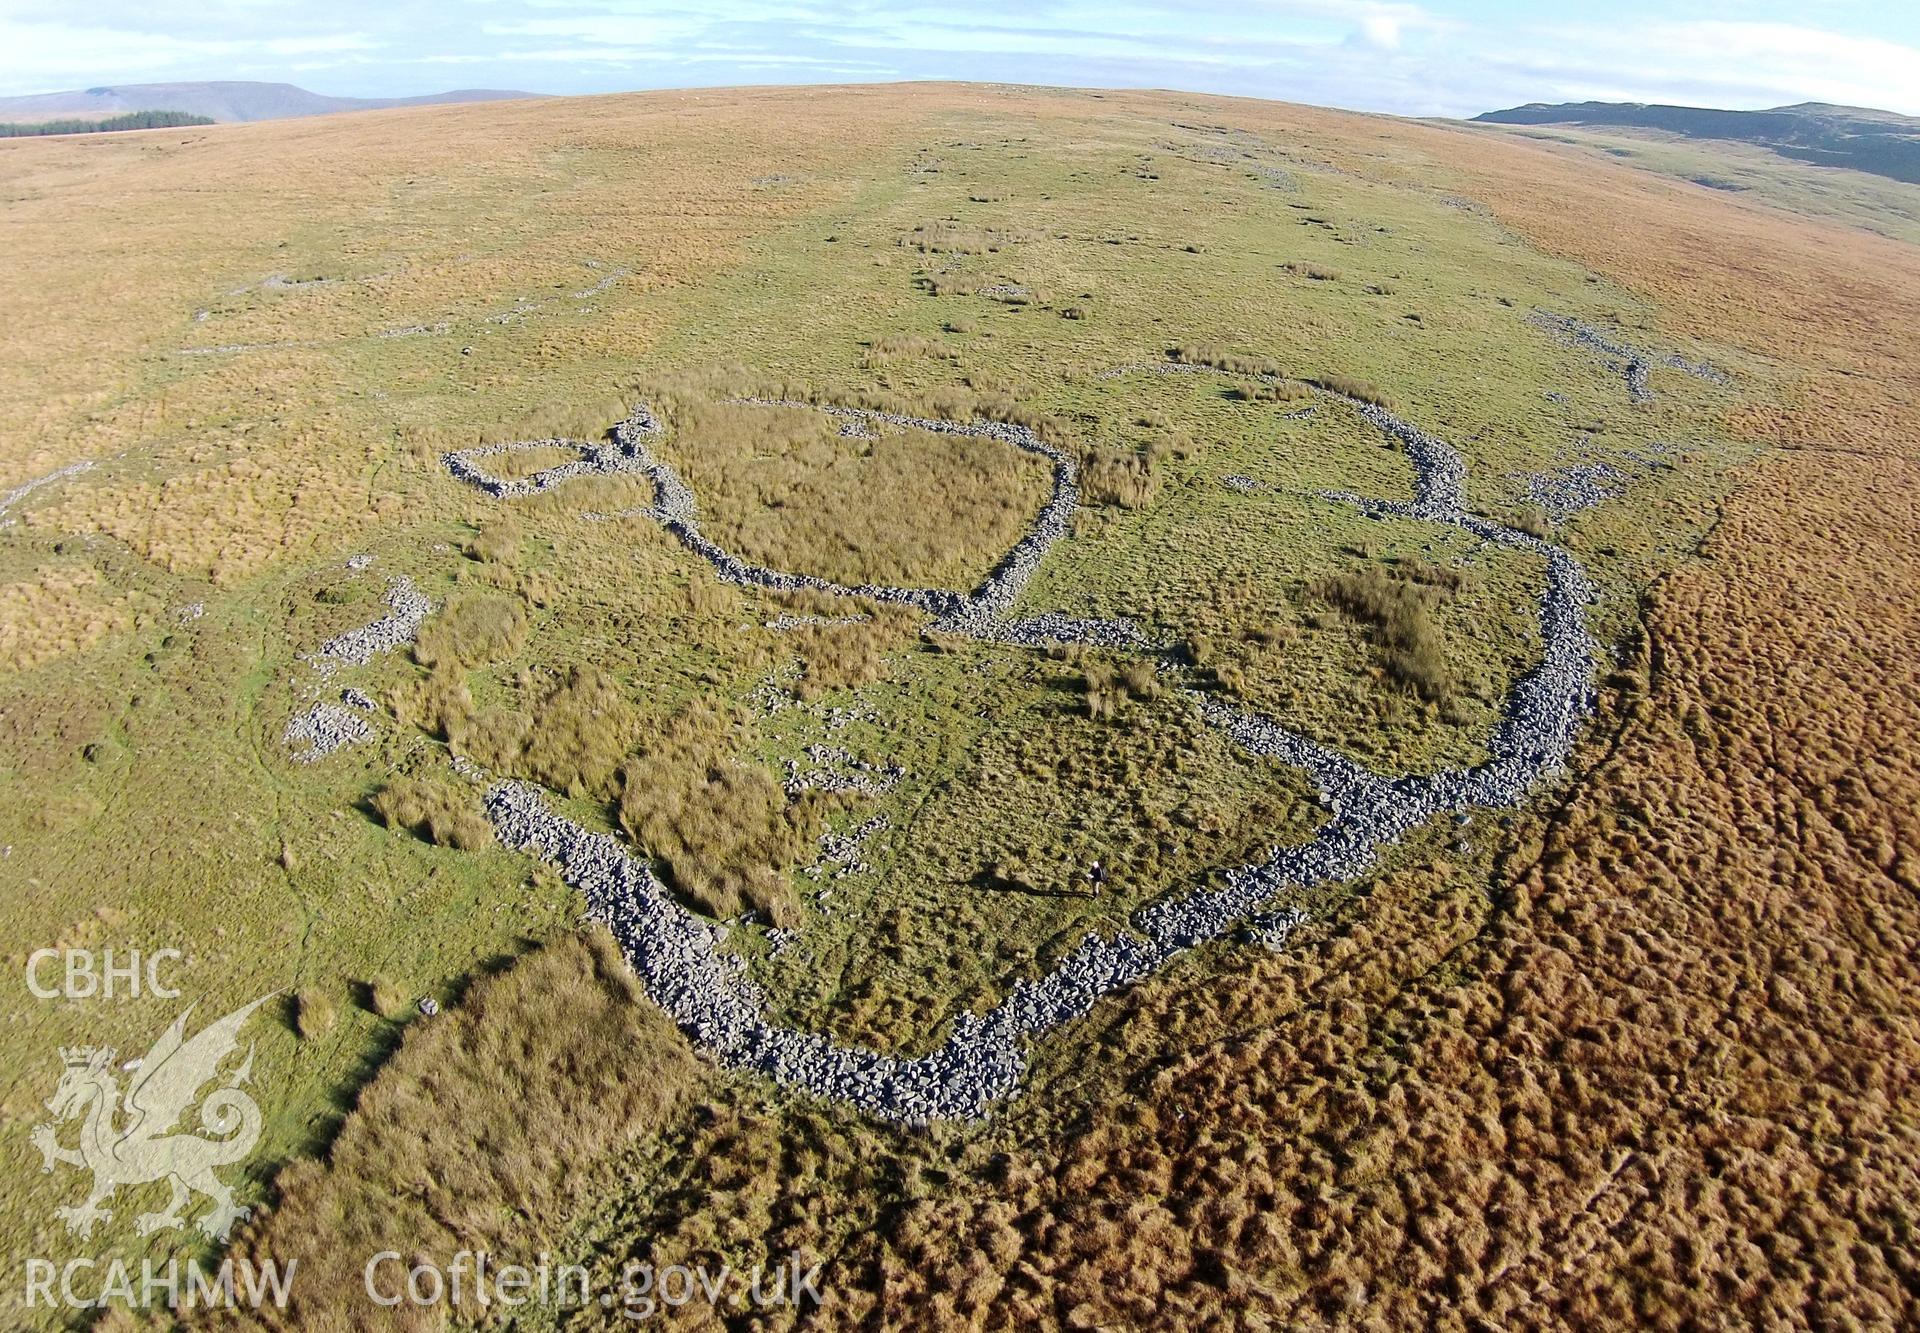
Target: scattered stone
x,y
1635,365
21,492
783,623
417,331
323,729
612,276
776,691
837,771
357,647
840,852
1566,491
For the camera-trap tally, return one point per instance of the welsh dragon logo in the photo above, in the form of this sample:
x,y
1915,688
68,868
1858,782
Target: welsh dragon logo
x,y
139,1147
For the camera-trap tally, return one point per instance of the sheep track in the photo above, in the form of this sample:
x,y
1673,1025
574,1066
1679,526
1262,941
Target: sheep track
x,y
683,960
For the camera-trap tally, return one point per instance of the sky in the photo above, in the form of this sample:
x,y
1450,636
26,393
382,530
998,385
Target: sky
x,y
1444,57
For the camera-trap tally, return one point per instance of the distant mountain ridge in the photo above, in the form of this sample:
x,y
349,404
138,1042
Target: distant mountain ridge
x,y
1881,142
223,101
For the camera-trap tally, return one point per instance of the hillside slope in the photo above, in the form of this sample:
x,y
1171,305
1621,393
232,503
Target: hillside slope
x,y
1880,142
1640,1052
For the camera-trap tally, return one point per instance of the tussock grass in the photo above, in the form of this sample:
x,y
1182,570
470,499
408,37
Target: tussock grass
x,y
1399,612
723,829
314,1014
440,812
783,488
497,539
1354,387
897,347
492,1125
1106,688
1534,522
953,284
1236,363
579,732
60,609
1128,480
386,999
949,237
473,630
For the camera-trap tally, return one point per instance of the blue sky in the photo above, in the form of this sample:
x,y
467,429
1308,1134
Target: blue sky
x,y
1443,57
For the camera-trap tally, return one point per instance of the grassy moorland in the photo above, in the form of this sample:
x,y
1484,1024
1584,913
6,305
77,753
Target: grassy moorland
x,y
1750,172
1534,1020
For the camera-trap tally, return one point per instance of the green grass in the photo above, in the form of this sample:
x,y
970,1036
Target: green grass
x,y
174,832
1011,790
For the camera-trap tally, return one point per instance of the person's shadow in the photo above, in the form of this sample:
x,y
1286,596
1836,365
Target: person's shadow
x,y
991,881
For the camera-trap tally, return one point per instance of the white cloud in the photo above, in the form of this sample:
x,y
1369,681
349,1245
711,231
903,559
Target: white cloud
x,y
302,46
59,55
1451,58
1714,62
1381,30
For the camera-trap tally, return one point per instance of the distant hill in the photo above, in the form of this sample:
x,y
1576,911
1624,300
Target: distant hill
x,y
223,101
1879,142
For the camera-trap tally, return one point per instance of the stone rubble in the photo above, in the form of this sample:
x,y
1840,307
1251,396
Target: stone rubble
x,y
686,967
321,730
612,276
22,491
357,647
840,852
1634,364
1566,491
594,460
837,771
776,691
1156,368
780,624
416,330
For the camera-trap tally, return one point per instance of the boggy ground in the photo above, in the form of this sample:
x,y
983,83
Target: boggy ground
x,y
1644,1056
